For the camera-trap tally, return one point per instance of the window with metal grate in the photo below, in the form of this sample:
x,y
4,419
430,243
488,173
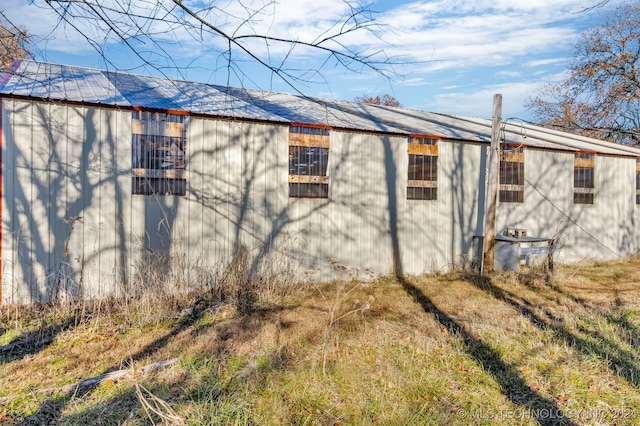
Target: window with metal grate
x,y
159,146
308,161
422,176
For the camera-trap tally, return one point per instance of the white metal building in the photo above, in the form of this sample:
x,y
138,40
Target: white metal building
x,y
100,168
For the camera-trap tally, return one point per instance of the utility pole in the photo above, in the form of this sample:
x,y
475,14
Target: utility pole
x,y
492,186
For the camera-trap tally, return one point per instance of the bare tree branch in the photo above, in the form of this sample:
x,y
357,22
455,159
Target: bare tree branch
x,y
158,32
601,3
14,42
601,95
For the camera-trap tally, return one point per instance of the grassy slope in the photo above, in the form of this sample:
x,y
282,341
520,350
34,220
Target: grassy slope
x,y
451,349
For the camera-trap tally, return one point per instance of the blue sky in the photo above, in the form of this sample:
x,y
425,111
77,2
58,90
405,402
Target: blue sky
x,y
452,55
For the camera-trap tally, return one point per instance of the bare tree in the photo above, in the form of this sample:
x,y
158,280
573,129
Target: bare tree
x,y
600,96
385,100
237,34
14,43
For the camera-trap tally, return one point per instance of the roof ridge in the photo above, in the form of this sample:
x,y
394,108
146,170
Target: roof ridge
x,y
44,80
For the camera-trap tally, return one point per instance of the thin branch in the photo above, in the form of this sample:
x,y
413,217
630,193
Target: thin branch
x,y
94,381
125,22
601,3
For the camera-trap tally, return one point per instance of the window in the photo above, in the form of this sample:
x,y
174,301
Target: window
x,y
422,179
637,180
511,189
308,160
583,181
159,146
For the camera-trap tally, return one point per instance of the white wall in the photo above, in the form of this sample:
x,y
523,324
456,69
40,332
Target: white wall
x,y
603,230
66,161
59,163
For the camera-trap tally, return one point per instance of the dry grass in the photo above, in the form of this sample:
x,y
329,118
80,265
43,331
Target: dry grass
x,y
450,349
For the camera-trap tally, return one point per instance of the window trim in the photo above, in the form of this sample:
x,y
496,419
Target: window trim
x,y
513,155
317,185
168,135
425,146
584,195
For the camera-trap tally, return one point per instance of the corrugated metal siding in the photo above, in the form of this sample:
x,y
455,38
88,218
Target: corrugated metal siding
x,y
8,208
614,200
437,235
63,162
61,166
635,217
368,219
548,196
360,221
603,230
18,197
236,180
40,199
464,170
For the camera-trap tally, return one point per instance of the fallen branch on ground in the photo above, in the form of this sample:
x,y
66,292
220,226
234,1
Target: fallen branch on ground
x,y
157,406
113,375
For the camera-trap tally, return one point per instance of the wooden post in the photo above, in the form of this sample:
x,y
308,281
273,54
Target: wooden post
x,y
492,186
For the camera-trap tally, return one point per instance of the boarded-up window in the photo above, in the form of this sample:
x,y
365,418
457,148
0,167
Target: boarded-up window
x,y
511,174
583,178
159,149
637,180
308,161
422,179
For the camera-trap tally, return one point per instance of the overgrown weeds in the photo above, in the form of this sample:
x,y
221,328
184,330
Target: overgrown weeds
x,y
460,349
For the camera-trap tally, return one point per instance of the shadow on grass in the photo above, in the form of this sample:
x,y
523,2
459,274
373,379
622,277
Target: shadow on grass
x,y
123,408
630,332
115,411
617,359
49,411
34,341
161,342
513,386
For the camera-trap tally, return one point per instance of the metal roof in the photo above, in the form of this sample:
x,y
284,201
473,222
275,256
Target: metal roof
x,y
32,79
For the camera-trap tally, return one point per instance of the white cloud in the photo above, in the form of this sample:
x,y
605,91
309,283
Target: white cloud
x,y
40,21
441,44
443,33
478,32
479,102
414,81
545,62
509,74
